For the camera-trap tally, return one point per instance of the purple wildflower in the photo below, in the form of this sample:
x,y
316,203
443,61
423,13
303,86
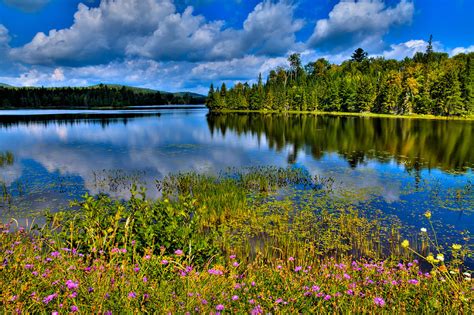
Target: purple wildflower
x,y
235,298
215,272
49,298
220,307
413,281
132,295
74,308
71,285
257,310
178,252
379,301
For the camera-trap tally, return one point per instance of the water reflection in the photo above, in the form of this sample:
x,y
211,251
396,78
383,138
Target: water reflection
x,y
415,143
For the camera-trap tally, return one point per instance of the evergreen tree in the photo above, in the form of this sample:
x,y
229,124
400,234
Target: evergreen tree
x,y
359,55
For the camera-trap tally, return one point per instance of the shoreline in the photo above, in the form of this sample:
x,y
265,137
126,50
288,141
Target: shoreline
x,y
368,115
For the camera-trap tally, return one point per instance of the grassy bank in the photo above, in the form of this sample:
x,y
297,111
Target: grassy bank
x,y
241,242
372,115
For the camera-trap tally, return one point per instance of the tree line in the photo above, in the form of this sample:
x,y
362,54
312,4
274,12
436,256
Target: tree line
x,y
429,83
97,96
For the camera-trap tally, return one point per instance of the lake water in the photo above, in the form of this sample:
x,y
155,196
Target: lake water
x,y
400,166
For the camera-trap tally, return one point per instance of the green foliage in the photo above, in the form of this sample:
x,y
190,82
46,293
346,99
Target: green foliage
x,y
429,83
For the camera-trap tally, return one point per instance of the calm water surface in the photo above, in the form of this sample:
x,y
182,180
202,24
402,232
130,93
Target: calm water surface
x,y
400,166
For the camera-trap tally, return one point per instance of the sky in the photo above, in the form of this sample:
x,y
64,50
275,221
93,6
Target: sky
x,y
184,45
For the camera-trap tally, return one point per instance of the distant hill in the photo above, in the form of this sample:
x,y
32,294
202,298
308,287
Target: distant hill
x,y
100,95
131,88
119,86
145,90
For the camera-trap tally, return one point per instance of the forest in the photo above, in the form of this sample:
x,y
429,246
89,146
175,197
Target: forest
x,y
95,96
430,83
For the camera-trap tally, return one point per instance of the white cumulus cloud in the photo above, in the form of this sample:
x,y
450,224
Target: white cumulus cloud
x,y
359,23
462,50
406,49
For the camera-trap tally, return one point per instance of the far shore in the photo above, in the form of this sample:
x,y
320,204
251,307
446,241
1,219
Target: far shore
x,y
371,115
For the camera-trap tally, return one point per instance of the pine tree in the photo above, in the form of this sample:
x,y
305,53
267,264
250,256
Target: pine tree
x,y
359,55
210,101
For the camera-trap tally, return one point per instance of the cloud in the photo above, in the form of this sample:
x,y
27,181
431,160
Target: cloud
x,y
462,50
58,74
4,44
154,29
406,49
270,29
4,36
238,69
411,47
97,35
359,23
27,5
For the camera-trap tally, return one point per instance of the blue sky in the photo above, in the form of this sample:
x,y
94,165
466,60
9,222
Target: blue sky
x,y
187,44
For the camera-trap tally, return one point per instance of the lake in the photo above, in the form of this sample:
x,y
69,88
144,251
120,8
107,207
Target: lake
x,y
402,167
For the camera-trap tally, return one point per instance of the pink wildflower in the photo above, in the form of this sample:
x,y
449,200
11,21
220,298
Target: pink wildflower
x,y
379,301
71,285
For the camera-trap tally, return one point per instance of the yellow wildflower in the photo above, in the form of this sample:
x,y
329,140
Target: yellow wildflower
x,y
428,214
405,244
457,246
430,258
